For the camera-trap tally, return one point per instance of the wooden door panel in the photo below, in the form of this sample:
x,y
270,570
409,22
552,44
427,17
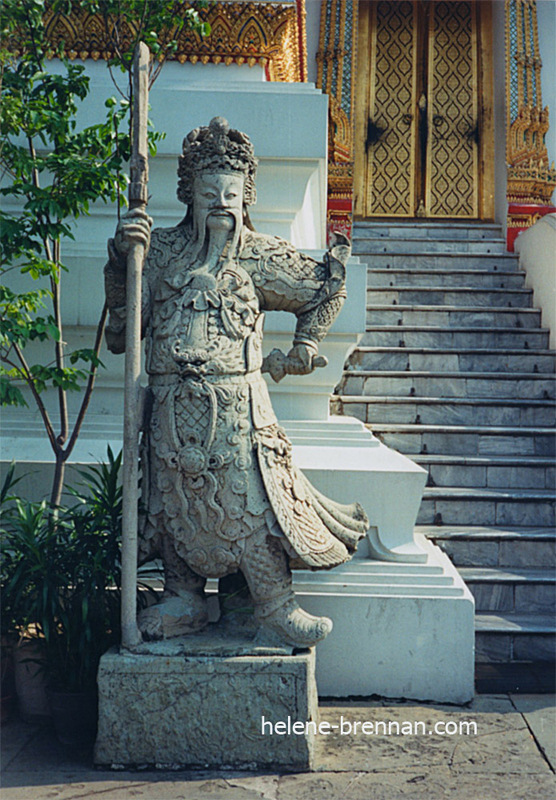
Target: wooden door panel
x,y
418,127
452,92
391,130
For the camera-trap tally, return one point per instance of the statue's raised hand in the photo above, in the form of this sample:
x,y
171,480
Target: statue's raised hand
x,y
133,228
301,360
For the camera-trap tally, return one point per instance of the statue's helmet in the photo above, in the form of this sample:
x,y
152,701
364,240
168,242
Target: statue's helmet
x,y
216,148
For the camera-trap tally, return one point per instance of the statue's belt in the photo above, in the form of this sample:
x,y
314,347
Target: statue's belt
x,y
174,379
261,408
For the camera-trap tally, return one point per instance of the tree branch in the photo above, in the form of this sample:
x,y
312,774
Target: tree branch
x,y
59,351
90,382
38,400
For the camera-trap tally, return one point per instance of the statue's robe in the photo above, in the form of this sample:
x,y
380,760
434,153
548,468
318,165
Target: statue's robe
x,y
217,467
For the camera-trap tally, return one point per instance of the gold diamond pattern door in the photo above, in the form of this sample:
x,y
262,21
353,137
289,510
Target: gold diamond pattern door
x,y
452,175
390,131
417,126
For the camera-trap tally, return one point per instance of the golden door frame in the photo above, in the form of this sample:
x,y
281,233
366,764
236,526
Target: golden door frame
x,y
484,167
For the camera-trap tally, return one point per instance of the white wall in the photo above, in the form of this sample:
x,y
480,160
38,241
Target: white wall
x,y
537,256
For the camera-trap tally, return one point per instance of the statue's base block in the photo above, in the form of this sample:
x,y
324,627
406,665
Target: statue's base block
x,y
189,709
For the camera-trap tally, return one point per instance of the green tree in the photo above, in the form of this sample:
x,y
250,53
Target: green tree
x,y
52,172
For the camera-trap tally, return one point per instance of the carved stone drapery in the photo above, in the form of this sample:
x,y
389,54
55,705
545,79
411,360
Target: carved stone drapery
x,y
531,180
271,34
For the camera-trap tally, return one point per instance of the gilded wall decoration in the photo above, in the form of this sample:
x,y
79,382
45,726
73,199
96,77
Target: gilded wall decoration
x,y
336,59
265,33
531,179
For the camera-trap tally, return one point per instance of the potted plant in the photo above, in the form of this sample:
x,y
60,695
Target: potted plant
x,y
62,572
21,674
24,544
7,629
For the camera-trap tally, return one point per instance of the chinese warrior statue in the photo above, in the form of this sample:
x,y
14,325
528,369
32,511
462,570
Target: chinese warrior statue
x,y
220,491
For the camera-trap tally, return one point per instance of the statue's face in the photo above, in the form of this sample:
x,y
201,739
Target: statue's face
x,y
218,201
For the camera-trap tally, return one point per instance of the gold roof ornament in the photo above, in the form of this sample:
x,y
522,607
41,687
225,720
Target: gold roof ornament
x,y
271,34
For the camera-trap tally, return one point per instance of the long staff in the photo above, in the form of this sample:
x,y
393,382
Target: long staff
x,y
132,387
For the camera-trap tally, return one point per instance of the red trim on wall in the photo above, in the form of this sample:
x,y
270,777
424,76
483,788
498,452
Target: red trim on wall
x,y
338,217
520,217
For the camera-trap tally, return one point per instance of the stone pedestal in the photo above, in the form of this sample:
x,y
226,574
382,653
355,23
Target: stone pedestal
x,y
201,701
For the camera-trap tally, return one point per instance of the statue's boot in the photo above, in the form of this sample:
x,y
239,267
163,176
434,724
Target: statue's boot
x,y
182,609
282,620
266,570
174,616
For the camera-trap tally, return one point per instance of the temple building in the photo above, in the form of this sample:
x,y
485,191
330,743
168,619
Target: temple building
x,y
420,129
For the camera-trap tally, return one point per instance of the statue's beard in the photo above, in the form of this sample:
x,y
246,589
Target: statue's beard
x,y
213,242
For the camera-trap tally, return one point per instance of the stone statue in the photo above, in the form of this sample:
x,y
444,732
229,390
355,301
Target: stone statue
x,y
220,493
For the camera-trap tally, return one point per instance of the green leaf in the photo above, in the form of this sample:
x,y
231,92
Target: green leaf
x,y
87,355
10,395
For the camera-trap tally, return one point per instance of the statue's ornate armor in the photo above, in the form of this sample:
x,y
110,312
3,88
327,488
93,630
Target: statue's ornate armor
x,y
217,467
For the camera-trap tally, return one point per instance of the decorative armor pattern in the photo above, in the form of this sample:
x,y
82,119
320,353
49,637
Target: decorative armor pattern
x,y
211,421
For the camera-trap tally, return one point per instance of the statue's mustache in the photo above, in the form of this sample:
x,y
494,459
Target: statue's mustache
x,y
202,234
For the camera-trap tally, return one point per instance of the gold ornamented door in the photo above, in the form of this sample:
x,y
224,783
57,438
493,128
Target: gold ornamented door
x,y
423,130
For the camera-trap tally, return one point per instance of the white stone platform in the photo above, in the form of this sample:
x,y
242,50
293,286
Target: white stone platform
x,y
347,463
403,617
400,630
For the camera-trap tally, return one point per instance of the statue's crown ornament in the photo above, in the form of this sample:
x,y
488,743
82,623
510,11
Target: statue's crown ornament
x,y
216,148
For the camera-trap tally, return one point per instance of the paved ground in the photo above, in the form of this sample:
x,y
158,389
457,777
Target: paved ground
x,y
512,756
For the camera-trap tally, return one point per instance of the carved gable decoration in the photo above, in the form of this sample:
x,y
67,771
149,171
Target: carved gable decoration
x,y
265,33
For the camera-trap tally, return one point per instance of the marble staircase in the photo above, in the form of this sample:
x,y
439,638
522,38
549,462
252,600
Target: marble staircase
x,y
454,371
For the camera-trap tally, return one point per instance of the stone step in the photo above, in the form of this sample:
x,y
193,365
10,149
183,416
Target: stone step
x,y
537,386
465,338
452,360
426,230
366,242
453,316
512,590
467,439
476,546
443,296
492,472
503,262
474,506
516,623
479,279
509,637
456,411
